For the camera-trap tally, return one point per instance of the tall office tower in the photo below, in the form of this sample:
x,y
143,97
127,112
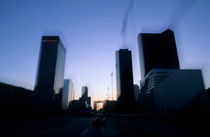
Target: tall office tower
x,y
124,75
50,72
67,93
84,92
84,99
157,51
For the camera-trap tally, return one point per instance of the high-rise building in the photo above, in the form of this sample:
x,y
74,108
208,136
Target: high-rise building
x,y
67,93
157,51
170,90
124,75
84,99
50,72
84,92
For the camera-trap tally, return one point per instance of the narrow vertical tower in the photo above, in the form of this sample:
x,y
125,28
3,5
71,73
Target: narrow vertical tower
x,y
84,92
67,93
124,75
50,72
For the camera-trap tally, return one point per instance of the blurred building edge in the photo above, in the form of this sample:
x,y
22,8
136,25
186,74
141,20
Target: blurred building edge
x,y
170,90
136,90
14,99
124,79
81,106
50,73
157,51
67,93
84,99
110,106
199,105
84,92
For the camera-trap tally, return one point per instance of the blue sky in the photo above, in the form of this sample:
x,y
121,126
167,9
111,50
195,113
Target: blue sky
x,y
90,31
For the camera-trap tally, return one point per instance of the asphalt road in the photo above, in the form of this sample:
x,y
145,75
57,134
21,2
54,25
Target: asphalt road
x,y
82,127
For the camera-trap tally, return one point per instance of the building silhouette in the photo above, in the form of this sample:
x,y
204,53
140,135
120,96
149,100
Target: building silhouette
x,y
165,88
84,92
83,105
50,72
14,100
84,99
170,90
67,95
136,90
156,51
124,75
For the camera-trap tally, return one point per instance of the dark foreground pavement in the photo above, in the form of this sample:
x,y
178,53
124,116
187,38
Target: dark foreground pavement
x,y
116,127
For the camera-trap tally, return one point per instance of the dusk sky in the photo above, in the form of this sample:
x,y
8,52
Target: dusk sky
x,y
91,33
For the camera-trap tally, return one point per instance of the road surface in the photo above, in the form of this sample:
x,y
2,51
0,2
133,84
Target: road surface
x,y
82,127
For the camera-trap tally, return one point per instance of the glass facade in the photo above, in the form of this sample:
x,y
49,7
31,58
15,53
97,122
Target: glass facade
x,y
50,72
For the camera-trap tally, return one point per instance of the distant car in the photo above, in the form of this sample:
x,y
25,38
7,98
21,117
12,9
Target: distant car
x,y
99,120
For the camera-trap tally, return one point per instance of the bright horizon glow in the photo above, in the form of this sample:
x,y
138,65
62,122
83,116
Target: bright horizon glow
x,y
90,31
99,106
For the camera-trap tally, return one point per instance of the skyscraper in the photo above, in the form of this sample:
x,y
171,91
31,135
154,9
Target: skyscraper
x,y
84,92
157,51
50,72
67,93
84,99
124,75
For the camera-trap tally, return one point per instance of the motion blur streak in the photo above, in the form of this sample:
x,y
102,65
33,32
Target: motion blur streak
x,y
180,11
125,21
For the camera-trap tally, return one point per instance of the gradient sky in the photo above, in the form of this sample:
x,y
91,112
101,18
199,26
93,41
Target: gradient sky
x,y
90,31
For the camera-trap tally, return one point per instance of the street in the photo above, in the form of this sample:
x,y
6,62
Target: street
x,y
82,127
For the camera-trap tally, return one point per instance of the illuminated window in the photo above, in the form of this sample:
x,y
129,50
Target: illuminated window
x,y
50,41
